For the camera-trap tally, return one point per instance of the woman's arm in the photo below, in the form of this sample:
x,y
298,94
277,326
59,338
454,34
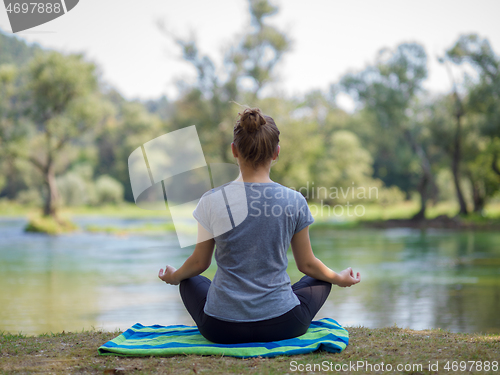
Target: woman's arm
x,y
308,264
197,262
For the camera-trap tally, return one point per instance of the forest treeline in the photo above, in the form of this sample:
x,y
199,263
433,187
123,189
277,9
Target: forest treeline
x,y
65,135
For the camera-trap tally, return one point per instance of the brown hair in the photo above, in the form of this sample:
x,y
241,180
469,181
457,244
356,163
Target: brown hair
x,y
256,137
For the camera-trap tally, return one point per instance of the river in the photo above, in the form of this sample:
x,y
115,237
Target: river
x,y
410,278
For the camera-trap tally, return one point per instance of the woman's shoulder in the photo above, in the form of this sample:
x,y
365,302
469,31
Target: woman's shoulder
x,y
292,192
216,189
231,188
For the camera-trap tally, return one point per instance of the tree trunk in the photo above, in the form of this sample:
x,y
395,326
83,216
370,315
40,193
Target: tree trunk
x,y
422,189
455,165
51,200
494,165
426,178
477,196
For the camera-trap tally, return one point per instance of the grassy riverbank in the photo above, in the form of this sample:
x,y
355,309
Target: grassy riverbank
x,y
66,353
368,212
373,215
124,210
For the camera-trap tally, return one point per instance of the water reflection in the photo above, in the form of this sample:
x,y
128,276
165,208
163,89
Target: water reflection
x,y
417,279
412,278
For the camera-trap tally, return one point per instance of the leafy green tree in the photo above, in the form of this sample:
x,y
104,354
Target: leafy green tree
x,y
248,67
389,90
393,161
61,101
455,150
300,143
482,105
16,51
259,50
483,96
16,174
345,164
131,127
8,131
478,159
108,190
320,147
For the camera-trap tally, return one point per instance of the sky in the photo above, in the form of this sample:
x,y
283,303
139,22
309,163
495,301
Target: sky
x,y
329,37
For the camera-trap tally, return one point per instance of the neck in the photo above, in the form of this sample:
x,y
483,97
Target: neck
x,y
248,174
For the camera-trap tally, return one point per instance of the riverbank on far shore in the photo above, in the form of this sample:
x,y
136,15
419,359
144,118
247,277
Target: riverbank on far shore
x,y
441,216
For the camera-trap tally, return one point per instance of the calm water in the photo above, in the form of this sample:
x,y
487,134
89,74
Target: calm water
x,y
411,278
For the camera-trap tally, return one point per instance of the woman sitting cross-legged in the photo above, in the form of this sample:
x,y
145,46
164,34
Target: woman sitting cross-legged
x,y
251,298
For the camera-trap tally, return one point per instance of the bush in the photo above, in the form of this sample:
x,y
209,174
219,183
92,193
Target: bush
x,y
49,225
389,196
76,187
108,190
74,190
29,197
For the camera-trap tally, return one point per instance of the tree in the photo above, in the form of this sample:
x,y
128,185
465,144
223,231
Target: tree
x,y
248,67
9,132
129,129
484,94
15,50
259,50
320,149
482,102
456,150
60,99
389,89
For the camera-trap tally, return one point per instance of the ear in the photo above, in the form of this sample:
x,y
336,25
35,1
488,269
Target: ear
x,y
234,150
276,153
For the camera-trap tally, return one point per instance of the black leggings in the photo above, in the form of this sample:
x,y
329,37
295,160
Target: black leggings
x,y
311,293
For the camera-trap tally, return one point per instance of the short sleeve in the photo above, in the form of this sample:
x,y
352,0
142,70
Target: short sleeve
x,y
304,216
202,212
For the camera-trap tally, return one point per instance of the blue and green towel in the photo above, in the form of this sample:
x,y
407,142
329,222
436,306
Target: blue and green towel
x,y
324,334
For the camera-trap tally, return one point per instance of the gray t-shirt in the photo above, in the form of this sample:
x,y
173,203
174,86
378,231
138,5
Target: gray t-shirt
x,y
252,237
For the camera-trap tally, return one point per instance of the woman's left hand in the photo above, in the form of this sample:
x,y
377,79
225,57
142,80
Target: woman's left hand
x,y
168,275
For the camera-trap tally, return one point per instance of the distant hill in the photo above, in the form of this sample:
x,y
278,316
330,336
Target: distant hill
x,y
14,50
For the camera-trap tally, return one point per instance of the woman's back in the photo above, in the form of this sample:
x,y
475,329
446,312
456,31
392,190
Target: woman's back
x,y
251,282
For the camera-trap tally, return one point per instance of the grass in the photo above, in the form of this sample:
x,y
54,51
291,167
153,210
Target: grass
x,y
371,211
401,210
10,208
145,228
327,217
49,225
324,216
68,352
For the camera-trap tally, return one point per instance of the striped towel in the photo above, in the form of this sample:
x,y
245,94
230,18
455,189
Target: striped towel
x,y
325,334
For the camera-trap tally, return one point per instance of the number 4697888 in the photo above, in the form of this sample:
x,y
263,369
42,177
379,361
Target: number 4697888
x,y
471,366
34,8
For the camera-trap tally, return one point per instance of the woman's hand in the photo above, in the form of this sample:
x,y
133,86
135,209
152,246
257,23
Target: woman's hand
x,y
168,276
346,278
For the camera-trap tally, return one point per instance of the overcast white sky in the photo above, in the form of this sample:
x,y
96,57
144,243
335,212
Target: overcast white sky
x,y
330,37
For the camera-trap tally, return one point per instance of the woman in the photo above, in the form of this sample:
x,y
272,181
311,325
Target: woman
x,y
251,298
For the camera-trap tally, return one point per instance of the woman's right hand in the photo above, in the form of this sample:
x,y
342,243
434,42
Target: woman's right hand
x,y
168,275
346,278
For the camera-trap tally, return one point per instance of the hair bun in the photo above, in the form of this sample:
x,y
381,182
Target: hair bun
x,y
252,119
